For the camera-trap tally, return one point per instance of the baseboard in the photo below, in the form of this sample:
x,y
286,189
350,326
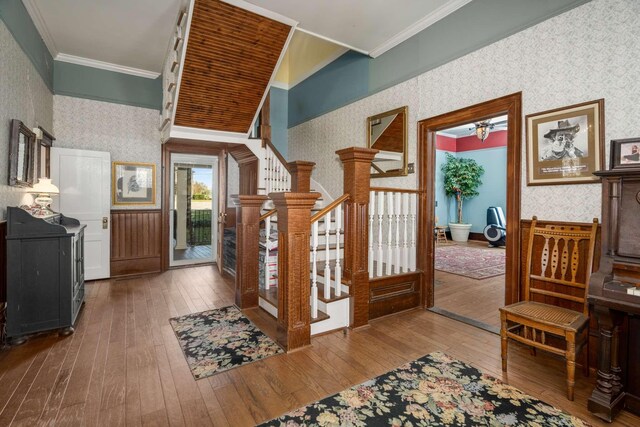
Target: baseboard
x,y
478,237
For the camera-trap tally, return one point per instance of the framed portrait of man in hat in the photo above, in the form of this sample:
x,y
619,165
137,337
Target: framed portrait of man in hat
x,y
565,145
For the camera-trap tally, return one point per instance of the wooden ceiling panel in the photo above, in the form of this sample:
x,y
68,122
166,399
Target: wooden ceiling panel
x,y
230,57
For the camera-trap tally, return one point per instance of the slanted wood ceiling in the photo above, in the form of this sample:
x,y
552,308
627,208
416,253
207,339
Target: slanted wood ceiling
x,y
230,57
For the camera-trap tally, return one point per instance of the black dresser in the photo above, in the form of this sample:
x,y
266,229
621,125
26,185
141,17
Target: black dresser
x,y
45,273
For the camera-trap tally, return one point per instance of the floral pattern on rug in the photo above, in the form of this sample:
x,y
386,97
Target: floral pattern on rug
x,y
435,390
469,261
217,340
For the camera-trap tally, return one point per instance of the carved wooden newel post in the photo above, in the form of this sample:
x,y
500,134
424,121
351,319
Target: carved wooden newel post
x,y
294,225
357,174
301,176
247,246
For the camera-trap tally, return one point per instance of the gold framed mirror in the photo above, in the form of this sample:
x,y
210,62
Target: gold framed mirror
x,y
387,133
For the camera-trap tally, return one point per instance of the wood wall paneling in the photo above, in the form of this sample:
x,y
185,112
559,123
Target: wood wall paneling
x,y
393,294
135,242
3,262
231,54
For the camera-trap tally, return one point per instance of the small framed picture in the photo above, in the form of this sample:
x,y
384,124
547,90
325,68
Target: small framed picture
x,y
133,183
625,153
566,145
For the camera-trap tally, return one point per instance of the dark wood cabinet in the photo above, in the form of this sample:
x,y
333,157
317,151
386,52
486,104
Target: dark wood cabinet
x,y
45,273
614,291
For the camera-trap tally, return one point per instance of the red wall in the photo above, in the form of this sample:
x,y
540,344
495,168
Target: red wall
x,y
470,143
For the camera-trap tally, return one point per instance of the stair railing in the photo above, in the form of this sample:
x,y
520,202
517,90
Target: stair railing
x,y
392,231
327,225
277,174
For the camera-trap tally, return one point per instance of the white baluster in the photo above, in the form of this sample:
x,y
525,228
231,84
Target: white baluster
x,y
380,219
413,209
314,270
405,237
327,249
372,213
389,233
396,244
338,270
267,234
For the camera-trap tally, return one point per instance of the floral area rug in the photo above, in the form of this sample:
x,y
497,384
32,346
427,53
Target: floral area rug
x,y
217,340
469,261
434,390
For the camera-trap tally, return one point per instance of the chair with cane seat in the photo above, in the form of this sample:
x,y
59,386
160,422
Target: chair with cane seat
x,y
558,265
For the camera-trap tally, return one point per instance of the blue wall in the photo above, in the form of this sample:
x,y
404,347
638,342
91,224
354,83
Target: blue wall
x,y
279,116
23,30
354,76
493,191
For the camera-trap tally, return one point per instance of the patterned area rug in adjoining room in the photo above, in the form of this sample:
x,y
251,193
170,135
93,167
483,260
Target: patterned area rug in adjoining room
x,y
470,261
433,390
217,340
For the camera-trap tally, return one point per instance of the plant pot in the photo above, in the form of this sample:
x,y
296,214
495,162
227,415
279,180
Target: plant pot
x,y
459,232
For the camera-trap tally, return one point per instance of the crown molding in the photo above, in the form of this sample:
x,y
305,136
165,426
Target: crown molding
x,y
446,9
450,135
106,66
280,85
36,16
334,41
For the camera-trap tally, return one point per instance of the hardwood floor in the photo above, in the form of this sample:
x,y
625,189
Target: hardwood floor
x,y
123,365
193,253
474,299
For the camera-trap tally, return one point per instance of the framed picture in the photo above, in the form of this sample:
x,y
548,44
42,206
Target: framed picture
x,y
625,153
133,183
566,145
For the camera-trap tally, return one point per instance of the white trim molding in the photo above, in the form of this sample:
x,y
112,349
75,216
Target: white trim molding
x,y
106,66
444,10
36,16
262,11
280,85
339,43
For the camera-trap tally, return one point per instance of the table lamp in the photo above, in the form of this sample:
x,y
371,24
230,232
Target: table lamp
x,y
44,188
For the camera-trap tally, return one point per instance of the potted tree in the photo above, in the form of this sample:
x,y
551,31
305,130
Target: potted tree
x,y
461,179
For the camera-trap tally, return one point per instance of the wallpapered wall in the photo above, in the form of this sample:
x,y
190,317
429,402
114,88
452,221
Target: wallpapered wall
x,y
130,134
23,96
584,54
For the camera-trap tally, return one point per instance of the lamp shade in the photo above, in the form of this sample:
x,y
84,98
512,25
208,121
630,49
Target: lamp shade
x,y
44,185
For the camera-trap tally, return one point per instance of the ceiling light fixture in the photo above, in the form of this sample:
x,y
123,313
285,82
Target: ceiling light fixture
x,y
483,129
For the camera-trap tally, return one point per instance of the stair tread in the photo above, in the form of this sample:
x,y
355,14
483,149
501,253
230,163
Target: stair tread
x,y
321,316
333,296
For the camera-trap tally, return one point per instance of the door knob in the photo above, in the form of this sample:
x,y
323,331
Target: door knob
x,y
105,222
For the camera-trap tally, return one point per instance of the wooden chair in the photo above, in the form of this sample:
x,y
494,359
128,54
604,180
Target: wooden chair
x,y
441,232
559,263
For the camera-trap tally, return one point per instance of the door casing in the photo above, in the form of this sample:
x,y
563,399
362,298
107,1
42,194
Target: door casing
x,y
511,105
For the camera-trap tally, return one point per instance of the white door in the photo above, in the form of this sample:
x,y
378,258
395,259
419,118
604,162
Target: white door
x,y
84,180
182,252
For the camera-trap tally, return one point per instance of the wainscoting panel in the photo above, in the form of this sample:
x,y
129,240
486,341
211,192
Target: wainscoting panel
x,y
392,294
135,242
3,262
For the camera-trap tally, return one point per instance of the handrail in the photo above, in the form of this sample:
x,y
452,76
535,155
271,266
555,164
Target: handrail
x,y
277,153
267,214
394,190
329,208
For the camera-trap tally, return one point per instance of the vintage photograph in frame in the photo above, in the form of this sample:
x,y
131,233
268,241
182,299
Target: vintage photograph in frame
x,y
133,183
565,145
625,153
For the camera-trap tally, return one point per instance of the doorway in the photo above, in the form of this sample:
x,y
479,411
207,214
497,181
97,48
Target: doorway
x,y
511,106
469,252
193,206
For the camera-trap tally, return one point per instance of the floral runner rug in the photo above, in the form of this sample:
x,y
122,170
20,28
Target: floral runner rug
x,y
434,390
469,261
217,340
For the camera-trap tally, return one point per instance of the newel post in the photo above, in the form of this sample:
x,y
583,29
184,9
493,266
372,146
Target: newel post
x,y
294,226
247,247
356,162
300,175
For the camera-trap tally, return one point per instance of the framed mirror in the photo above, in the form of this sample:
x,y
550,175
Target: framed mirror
x,y
21,155
387,132
44,154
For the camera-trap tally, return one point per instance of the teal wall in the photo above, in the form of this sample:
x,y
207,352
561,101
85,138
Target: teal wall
x,y
493,191
23,30
76,80
102,85
279,117
353,76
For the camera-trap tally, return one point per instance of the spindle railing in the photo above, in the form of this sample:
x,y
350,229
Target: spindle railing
x,y
392,231
277,174
327,224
